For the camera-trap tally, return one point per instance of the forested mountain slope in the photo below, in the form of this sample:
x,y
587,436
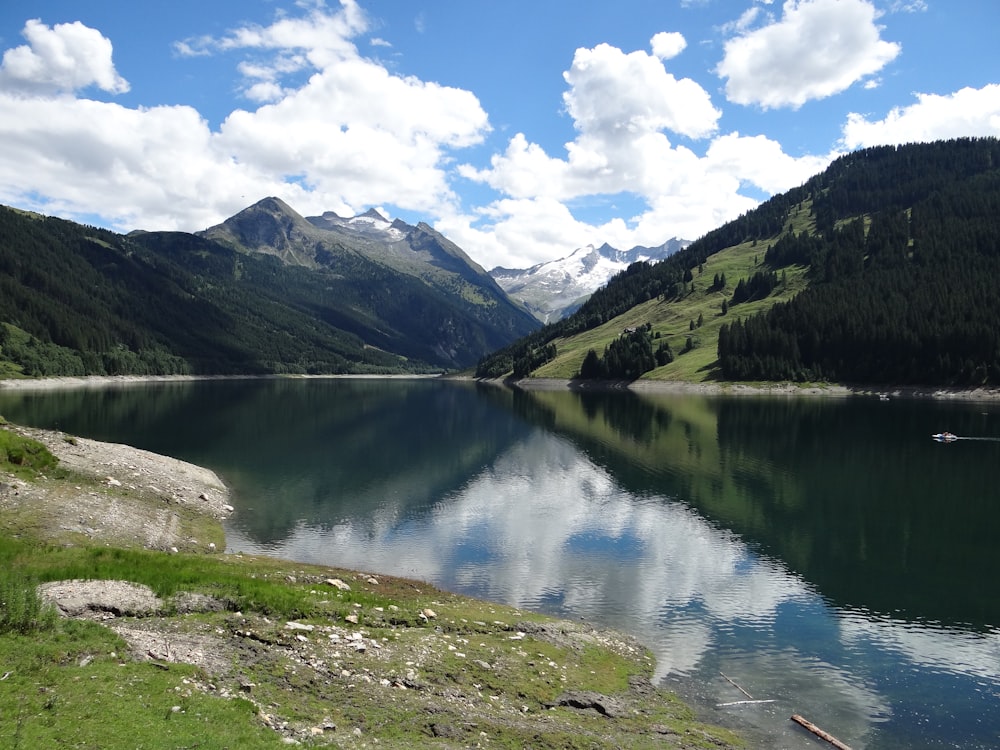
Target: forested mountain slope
x,y
885,268
411,278
77,300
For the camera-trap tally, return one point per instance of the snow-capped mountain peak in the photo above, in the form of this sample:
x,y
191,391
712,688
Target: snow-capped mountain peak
x,y
370,223
555,289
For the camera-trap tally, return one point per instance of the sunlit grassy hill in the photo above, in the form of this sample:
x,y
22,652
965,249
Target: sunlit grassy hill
x,y
672,320
880,270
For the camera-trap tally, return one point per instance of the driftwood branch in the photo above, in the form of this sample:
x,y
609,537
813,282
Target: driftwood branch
x,y
730,681
819,732
744,703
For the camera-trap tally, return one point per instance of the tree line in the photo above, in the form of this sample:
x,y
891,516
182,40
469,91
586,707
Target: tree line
x,y
902,268
906,293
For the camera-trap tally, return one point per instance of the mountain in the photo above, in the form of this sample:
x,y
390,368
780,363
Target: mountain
x,y
555,289
414,284
881,270
273,293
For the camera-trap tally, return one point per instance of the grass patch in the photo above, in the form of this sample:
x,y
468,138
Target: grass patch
x,y
676,321
21,609
23,457
75,689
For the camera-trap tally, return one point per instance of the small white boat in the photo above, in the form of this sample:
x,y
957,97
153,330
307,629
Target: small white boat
x,y
945,437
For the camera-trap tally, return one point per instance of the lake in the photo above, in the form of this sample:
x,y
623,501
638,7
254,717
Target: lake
x,y
822,553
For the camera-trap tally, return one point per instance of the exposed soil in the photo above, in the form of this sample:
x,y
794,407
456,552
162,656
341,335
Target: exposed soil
x,y
118,495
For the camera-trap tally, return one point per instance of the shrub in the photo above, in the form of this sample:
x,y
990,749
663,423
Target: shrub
x,y
21,609
23,455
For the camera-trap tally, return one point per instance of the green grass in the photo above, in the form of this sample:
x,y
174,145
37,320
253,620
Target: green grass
x,y
72,683
671,320
21,609
22,456
75,688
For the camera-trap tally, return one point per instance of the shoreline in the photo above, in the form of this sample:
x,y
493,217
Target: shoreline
x,y
69,382
407,660
786,389
677,387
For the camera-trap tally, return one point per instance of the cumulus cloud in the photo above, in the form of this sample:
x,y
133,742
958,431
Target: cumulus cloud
x,y
618,94
625,109
63,58
360,133
966,113
818,48
348,136
668,44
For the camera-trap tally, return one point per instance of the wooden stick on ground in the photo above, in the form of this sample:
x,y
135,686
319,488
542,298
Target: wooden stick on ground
x,y
819,732
744,703
736,686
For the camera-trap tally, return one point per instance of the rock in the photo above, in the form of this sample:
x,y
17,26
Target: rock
x,y
353,619
300,626
337,584
187,602
112,482
585,700
96,598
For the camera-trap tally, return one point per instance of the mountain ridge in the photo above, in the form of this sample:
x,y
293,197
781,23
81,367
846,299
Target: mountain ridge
x,y
264,292
880,270
554,289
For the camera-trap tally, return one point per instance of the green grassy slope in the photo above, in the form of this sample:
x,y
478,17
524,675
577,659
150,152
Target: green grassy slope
x,y
671,319
880,270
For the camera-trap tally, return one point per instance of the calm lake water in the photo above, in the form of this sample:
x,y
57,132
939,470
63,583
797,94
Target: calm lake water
x,y
822,553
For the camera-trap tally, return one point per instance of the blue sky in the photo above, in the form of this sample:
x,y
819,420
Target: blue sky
x,y
521,130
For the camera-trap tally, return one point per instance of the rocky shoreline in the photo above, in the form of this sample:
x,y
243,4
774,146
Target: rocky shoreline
x,y
828,390
118,496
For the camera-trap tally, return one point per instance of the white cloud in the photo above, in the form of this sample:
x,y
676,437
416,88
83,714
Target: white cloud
x,y
762,162
818,48
620,94
966,113
156,168
620,104
351,136
518,232
624,108
667,45
359,133
908,6
60,59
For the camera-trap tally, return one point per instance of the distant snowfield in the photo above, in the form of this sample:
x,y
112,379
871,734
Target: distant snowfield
x,y
555,289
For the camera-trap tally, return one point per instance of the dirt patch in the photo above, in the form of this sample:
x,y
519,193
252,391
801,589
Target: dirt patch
x,y
118,495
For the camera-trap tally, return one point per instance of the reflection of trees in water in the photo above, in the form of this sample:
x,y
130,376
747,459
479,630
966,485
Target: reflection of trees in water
x,y
851,493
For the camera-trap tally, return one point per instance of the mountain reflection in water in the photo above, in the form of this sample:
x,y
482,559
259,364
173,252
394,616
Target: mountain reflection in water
x,y
824,553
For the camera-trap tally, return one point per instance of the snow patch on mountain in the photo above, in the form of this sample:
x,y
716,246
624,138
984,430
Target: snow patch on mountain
x,y
370,224
555,289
